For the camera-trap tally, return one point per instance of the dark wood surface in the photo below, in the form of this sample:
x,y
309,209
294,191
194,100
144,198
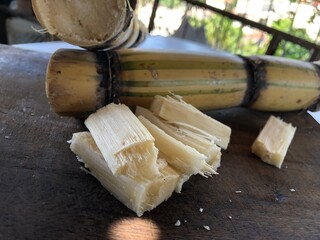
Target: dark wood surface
x,y
44,194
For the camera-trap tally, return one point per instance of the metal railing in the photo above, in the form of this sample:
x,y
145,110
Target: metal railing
x,y
277,35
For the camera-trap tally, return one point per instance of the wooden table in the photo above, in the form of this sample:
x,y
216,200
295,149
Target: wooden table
x,y
44,194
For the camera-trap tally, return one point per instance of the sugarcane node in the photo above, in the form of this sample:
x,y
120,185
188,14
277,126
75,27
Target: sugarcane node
x,y
141,37
108,67
116,83
315,106
256,79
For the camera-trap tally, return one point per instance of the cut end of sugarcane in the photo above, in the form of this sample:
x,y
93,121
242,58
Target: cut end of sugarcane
x,y
273,141
87,24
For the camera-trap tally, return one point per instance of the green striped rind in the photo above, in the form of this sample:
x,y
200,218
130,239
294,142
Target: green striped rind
x,y
291,86
197,76
134,59
182,93
174,83
157,54
167,64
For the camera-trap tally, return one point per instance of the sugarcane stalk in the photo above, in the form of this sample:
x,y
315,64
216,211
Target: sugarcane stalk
x,y
94,24
80,82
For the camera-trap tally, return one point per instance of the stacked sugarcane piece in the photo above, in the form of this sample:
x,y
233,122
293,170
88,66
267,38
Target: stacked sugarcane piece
x,y
141,159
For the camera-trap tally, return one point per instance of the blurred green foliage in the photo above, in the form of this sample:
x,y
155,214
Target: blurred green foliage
x,y
223,33
288,49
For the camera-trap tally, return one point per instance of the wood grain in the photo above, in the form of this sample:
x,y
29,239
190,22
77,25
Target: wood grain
x,y
44,194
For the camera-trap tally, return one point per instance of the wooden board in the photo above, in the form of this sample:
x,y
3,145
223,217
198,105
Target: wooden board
x,y
44,194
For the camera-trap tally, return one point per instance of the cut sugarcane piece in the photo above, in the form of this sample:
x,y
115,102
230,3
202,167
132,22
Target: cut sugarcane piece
x,y
177,112
95,24
126,145
273,141
137,193
201,143
183,158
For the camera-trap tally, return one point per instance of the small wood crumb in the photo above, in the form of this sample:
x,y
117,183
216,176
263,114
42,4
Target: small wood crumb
x,y
178,223
292,190
206,227
238,191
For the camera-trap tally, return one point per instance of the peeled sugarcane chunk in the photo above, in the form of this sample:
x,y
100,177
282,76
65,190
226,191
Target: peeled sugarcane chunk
x,y
126,145
142,160
186,160
273,141
174,110
137,193
200,142
182,157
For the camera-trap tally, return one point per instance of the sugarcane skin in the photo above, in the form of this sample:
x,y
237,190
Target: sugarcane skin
x,y
208,82
283,84
65,97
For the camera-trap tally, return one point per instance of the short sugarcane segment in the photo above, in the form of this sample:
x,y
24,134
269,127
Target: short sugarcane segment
x,y
285,84
67,92
124,142
137,193
273,141
218,80
201,143
94,24
184,159
188,118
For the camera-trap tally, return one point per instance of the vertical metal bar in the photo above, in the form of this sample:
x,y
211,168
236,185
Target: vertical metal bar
x,y
315,56
153,15
273,45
